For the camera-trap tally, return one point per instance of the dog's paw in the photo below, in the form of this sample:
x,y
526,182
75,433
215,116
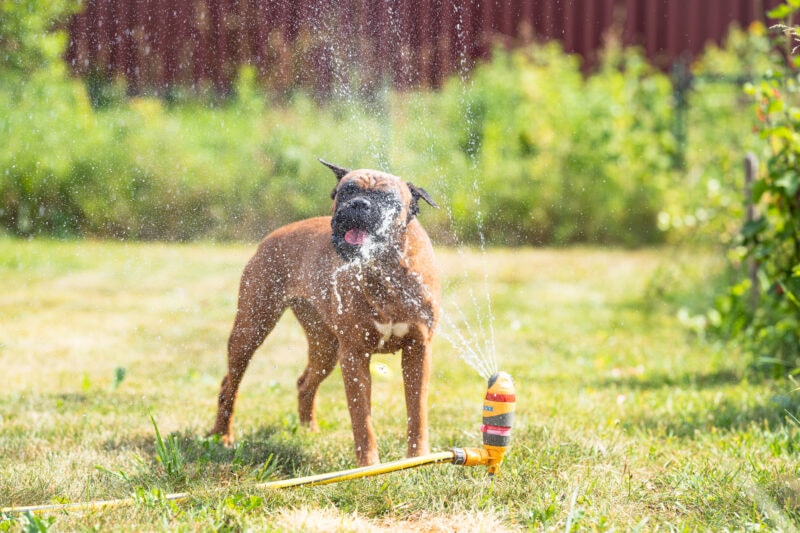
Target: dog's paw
x,y
310,425
226,439
368,458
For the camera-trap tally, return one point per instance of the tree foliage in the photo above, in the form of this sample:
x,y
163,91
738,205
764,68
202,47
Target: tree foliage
x,y
27,39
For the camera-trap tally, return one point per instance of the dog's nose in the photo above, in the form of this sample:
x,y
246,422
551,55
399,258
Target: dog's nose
x,y
359,204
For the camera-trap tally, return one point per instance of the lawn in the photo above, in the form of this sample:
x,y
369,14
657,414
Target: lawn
x,y
626,419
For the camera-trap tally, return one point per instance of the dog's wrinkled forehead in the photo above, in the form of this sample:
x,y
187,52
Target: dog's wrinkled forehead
x,y
375,180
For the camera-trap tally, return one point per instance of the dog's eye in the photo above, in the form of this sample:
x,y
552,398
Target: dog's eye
x,y
389,199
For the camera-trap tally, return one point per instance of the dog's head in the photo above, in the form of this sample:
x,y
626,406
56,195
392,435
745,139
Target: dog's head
x,y
371,210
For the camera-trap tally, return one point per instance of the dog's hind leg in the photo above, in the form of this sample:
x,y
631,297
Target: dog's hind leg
x,y
258,311
322,350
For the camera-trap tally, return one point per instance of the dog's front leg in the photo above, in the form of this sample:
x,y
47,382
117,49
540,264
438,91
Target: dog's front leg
x,y
358,388
416,374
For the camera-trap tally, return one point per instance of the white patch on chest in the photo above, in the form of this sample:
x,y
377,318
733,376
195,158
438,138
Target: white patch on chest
x,y
388,330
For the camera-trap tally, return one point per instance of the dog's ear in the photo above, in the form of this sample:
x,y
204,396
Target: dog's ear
x,y
418,193
339,171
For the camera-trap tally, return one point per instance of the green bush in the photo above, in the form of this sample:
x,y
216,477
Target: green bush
x,y
563,158
27,43
766,317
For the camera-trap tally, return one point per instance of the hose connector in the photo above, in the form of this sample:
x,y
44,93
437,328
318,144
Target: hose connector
x,y
470,456
498,416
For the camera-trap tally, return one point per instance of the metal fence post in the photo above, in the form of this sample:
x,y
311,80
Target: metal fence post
x,y
750,172
681,85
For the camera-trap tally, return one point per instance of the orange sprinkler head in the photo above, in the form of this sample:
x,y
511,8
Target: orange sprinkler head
x,y
498,415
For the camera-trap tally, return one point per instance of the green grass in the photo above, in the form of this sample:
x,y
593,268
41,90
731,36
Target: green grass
x,y
625,419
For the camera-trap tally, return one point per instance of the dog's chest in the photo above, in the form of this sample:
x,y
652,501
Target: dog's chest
x,y
389,330
387,306
394,292
395,312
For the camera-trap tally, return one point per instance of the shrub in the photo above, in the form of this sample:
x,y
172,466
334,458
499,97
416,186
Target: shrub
x,y
768,320
563,158
26,42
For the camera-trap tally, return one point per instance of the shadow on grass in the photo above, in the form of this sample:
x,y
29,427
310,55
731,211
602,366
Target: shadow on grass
x,y
684,381
270,443
727,412
772,416
184,458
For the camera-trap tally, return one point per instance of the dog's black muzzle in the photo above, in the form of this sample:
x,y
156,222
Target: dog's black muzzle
x,y
361,225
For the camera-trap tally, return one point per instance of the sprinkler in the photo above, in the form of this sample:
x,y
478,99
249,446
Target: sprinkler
x,y
498,415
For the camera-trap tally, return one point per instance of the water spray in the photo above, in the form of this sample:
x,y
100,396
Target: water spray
x,y
498,416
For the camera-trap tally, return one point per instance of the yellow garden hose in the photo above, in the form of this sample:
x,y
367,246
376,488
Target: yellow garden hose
x,y
319,479
364,471
83,506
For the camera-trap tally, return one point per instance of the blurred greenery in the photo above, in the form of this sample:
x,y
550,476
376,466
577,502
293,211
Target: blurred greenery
x,y
27,42
527,150
761,306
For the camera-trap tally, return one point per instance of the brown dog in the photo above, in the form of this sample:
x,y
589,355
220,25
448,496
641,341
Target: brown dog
x,y
360,282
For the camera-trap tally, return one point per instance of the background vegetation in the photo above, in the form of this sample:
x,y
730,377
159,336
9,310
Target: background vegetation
x,y
527,150
762,306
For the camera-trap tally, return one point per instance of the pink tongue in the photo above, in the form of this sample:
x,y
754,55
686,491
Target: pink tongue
x,y
355,236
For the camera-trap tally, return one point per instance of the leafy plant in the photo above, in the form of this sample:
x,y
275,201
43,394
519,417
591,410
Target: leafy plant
x,y
27,522
770,242
703,202
267,470
562,158
119,376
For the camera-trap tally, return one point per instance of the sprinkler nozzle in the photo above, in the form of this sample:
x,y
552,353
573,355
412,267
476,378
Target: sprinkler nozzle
x,y
498,415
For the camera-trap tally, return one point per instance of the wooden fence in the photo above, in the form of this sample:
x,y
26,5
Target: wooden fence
x,y
157,44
